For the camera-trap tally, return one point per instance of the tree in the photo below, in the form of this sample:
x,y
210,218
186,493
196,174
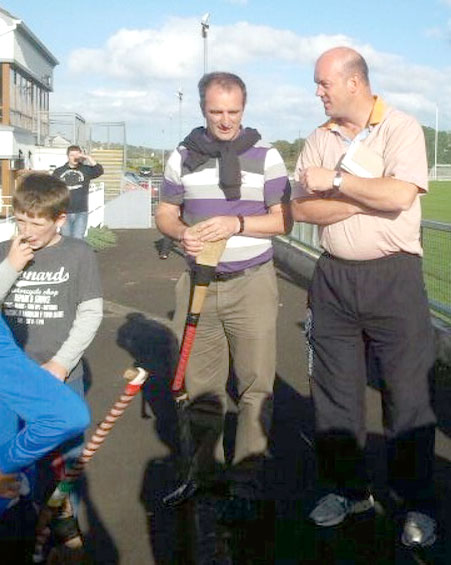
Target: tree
x,y
443,146
289,152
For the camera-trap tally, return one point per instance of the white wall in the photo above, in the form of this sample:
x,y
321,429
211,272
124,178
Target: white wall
x,y
16,45
31,58
6,142
7,228
6,37
46,158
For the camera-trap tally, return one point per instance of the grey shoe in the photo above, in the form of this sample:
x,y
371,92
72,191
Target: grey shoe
x,y
419,530
332,509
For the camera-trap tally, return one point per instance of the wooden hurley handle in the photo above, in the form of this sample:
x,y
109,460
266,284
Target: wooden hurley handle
x,y
204,271
211,253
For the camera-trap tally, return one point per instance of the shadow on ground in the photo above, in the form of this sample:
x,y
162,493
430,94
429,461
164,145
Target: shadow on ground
x,y
280,532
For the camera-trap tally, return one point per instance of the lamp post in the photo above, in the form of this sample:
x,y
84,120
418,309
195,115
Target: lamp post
x,y
436,142
162,153
179,94
205,25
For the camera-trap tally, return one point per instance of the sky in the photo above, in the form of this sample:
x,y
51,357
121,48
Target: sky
x,y
140,61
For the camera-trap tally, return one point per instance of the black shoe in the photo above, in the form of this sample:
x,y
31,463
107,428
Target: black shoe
x,y
237,510
164,255
181,494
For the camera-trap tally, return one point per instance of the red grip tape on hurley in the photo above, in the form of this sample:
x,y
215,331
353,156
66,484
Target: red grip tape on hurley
x,y
188,340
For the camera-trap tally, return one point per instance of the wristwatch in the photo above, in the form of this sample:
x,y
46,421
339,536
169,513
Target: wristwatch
x,y
338,179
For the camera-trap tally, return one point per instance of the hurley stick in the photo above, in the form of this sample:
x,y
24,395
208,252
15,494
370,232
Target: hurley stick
x,y
202,275
58,504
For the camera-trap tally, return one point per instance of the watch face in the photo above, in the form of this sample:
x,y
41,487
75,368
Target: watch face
x,y
337,180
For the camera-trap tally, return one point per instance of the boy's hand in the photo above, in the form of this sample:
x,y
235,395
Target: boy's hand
x,y
9,485
56,369
20,253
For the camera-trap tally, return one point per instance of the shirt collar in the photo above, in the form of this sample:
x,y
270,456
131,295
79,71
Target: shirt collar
x,y
376,116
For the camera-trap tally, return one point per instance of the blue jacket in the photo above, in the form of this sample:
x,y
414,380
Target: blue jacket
x,y
37,411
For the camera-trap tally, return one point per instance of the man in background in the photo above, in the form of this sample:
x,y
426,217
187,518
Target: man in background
x,y
77,173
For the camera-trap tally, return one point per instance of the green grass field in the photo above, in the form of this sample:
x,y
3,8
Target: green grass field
x,y
436,206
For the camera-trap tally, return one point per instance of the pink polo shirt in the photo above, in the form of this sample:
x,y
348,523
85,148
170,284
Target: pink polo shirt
x,y
399,140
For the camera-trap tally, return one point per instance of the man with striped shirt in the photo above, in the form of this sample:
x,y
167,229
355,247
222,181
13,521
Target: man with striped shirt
x,y
223,182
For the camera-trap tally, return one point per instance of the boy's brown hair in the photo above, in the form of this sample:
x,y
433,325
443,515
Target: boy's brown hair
x,y
42,195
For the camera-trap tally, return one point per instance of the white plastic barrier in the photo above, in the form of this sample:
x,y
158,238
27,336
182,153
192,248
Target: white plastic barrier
x,y
7,228
96,204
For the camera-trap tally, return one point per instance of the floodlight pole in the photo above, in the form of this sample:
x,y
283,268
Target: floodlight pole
x,y
205,25
180,97
436,142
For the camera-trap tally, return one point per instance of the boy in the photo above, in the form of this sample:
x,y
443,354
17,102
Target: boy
x,y
50,414
49,284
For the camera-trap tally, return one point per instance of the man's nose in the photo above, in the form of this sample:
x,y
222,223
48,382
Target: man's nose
x,y
227,119
319,90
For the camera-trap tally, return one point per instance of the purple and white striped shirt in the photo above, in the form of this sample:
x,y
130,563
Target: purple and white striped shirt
x,y
264,183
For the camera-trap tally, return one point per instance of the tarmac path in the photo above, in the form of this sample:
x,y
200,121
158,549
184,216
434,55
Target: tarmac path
x,y
121,515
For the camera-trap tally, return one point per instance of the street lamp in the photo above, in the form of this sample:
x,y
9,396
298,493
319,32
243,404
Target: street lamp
x,y
436,142
205,25
179,94
162,152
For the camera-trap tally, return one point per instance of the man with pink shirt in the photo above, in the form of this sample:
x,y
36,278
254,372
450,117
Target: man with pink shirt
x,y
359,178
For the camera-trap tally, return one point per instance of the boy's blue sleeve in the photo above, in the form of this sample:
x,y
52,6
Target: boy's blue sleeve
x,y
51,411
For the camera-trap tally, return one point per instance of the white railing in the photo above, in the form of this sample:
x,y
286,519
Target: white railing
x,y
96,204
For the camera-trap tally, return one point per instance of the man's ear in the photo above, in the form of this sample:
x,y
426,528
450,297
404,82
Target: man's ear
x,y
353,83
202,109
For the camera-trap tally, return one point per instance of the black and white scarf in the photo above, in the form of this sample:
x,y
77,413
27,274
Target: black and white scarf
x,y
201,148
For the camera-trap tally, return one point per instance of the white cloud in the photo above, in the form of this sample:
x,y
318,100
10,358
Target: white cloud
x,y
434,33
243,42
135,74
170,52
175,51
412,103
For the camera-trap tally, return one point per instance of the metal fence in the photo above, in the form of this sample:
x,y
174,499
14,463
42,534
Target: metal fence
x,y
436,239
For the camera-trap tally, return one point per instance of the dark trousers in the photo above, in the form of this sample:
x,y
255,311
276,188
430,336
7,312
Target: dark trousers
x,y
372,314
17,533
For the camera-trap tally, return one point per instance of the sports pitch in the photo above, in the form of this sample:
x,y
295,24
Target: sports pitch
x,y
436,206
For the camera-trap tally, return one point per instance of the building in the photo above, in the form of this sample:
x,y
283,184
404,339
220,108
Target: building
x,y
26,80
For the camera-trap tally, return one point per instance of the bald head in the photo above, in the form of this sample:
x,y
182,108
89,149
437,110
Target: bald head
x,y
341,75
347,62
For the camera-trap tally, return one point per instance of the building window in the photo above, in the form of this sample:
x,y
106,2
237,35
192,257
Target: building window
x,y
29,104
